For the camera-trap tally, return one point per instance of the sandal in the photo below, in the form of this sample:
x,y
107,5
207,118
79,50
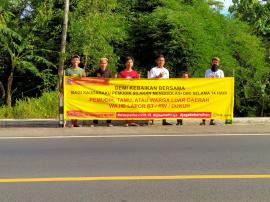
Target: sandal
x,y
202,123
133,124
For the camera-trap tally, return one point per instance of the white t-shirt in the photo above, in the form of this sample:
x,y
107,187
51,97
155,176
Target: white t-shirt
x,y
210,74
155,72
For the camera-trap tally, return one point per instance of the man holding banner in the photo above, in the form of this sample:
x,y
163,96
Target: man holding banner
x,y
75,71
184,75
148,99
160,72
213,72
129,73
103,72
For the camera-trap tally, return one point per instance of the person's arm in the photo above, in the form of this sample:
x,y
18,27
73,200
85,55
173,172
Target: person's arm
x,y
167,74
206,74
222,74
119,75
83,74
66,73
137,75
110,74
152,74
164,75
94,74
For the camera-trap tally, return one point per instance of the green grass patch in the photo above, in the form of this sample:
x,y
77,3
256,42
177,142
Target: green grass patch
x,y
45,106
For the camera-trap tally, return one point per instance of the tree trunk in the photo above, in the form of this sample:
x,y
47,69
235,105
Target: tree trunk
x,y
2,91
9,89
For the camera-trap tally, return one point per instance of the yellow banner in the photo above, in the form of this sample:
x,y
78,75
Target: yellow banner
x,y
192,98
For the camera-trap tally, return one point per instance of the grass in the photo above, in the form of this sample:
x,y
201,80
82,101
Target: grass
x,y
45,106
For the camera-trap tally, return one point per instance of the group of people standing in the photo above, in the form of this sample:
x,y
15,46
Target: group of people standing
x,y
159,71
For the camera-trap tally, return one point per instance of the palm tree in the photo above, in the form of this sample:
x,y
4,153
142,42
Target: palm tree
x,y
19,54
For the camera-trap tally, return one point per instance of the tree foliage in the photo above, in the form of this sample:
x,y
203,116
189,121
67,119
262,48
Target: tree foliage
x,y
256,13
188,32
94,30
19,55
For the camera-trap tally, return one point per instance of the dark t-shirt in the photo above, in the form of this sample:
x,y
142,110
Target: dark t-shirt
x,y
104,74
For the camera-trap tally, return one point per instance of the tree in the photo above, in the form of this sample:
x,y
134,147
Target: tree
x,y
95,28
190,35
188,32
256,13
37,25
19,54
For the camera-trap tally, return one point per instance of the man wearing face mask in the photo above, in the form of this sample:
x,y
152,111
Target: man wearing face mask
x,y
213,72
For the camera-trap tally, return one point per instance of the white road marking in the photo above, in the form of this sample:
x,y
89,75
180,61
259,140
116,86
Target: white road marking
x,y
130,136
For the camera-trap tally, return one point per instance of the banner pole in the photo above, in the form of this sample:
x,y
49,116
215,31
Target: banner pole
x,y
61,103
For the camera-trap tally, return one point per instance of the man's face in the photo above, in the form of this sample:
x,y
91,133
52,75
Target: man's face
x,y
129,64
185,76
215,62
160,62
103,64
75,62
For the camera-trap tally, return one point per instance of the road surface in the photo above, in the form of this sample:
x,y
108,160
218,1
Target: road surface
x,y
135,168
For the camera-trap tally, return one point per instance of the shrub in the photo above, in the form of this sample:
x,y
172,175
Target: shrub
x,y
45,106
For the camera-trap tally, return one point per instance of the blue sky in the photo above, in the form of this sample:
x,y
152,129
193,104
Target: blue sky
x,y
227,4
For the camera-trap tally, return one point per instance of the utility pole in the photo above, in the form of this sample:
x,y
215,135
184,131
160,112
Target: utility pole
x,y
61,64
64,38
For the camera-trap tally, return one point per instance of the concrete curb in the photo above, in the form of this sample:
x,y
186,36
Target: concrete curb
x,y
29,123
55,123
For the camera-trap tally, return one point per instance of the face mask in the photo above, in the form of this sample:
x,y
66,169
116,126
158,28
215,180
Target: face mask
x,y
214,67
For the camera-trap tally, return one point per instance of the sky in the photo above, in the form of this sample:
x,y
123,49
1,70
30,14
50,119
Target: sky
x,y
227,4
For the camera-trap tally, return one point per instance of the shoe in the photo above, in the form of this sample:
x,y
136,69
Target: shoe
x,y
109,125
179,122
150,122
228,121
74,123
166,123
202,123
212,123
133,124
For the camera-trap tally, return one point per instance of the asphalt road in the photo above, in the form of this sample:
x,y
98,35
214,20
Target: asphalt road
x,y
135,156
